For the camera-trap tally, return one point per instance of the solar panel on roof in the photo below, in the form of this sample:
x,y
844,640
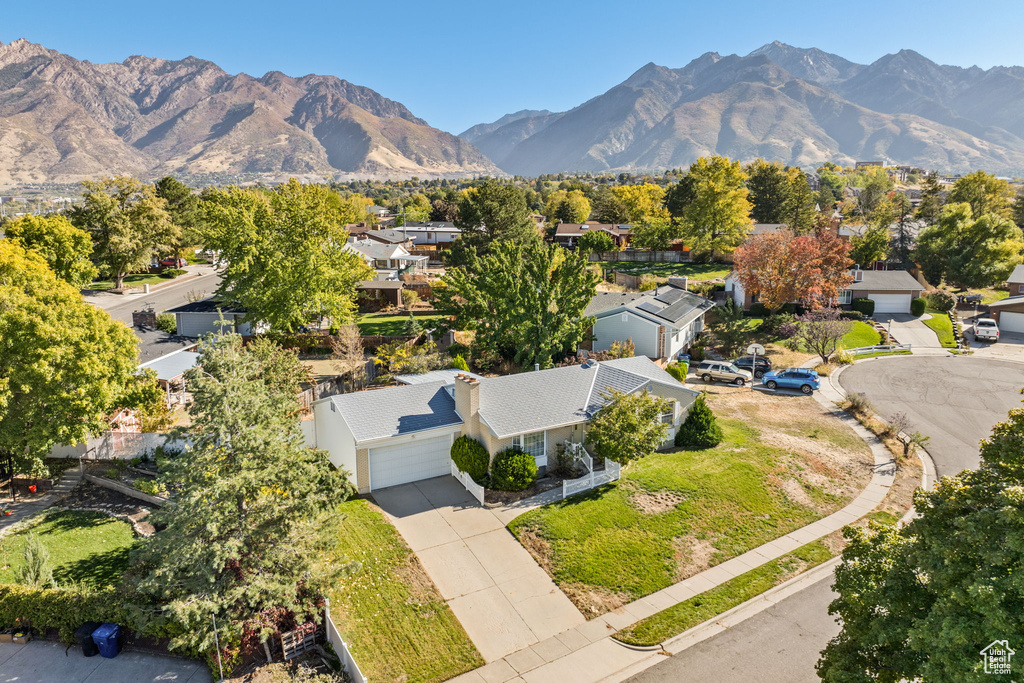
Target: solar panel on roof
x,y
648,307
669,297
676,310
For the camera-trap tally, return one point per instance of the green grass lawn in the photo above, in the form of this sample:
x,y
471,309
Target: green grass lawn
x,y
670,622
878,354
675,513
861,335
391,615
943,328
694,271
86,547
137,280
389,325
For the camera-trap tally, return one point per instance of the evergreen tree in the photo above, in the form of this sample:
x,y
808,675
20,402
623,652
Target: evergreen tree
x,y
769,188
930,207
1018,210
798,211
36,571
701,429
490,213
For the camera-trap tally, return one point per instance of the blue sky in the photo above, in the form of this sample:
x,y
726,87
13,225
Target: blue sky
x,y
465,62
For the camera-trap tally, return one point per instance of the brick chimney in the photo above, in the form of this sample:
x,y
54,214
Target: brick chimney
x,y
679,281
144,319
467,402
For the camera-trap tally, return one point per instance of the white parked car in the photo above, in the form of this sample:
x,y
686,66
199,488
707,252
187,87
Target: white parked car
x,y
985,329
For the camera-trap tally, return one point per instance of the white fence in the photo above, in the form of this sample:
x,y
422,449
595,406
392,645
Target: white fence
x,y
612,471
885,348
341,647
117,446
475,489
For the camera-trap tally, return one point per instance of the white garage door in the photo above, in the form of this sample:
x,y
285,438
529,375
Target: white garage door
x,y
410,461
891,303
1011,322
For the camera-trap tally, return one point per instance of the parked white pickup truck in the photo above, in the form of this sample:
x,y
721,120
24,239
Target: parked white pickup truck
x,y
985,329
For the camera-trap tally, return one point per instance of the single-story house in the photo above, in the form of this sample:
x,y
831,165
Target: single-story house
x,y
429,233
392,436
389,260
567,234
661,322
197,318
891,290
1009,313
386,236
1015,283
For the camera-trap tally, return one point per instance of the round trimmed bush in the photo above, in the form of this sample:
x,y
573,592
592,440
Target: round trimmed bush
x,y
851,315
758,310
865,306
941,301
513,470
701,428
917,306
470,456
678,370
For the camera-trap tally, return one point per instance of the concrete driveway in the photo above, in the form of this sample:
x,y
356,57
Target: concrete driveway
x,y
44,662
906,329
956,400
499,593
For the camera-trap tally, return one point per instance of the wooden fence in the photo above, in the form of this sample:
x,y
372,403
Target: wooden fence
x,y
642,256
337,385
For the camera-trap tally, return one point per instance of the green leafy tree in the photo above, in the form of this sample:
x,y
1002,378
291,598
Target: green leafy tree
x,y
966,251
718,218
833,184
899,211
920,602
414,208
128,223
984,192
656,235
286,254
876,188
1018,210
65,247
769,188
490,213
871,245
185,211
608,208
525,300
930,207
643,202
595,240
567,206
628,426
250,499
701,429
65,363
679,196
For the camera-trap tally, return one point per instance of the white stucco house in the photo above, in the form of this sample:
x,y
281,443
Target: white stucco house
x,y
389,260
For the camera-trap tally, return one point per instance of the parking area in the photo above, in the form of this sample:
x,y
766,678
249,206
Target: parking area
x,y
45,662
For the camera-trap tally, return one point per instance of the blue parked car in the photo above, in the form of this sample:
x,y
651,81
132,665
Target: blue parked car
x,y
804,379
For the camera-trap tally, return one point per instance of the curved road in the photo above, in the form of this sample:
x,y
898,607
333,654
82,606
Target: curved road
x,y
955,400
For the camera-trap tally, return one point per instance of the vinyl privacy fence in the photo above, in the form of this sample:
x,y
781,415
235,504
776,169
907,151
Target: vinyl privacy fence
x,y
341,647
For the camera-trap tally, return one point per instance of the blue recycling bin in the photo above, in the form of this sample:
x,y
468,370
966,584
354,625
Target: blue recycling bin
x,y
108,639
683,357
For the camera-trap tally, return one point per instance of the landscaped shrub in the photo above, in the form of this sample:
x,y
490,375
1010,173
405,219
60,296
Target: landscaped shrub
x,y
917,306
678,370
167,322
786,330
459,363
150,486
851,315
513,470
773,323
865,306
941,301
701,428
171,273
758,310
648,282
470,456
458,349
858,404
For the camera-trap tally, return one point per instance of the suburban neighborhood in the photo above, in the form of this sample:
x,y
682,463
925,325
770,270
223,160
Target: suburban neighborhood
x,y
734,419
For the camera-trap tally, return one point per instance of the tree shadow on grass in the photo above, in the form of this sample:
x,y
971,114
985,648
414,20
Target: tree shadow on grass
x,y
99,569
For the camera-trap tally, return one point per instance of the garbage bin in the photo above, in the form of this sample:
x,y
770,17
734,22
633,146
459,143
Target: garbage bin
x,y
683,357
83,634
108,639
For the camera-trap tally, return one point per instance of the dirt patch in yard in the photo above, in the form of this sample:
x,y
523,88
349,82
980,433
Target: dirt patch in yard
x,y
654,503
693,555
421,589
592,602
537,546
88,496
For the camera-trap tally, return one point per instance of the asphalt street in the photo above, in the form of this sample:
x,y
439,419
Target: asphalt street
x,y
120,306
955,400
779,645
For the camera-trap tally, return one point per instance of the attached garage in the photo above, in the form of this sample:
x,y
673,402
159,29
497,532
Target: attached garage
x,y
1011,322
891,303
410,461
199,318
1009,313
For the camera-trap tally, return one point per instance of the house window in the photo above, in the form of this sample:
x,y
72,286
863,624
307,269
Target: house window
x,y
669,416
1020,289
845,296
530,443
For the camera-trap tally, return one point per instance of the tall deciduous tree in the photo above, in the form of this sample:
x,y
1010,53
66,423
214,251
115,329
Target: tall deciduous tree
x,y
821,330
525,300
490,213
240,536
65,362
769,188
65,247
718,218
930,207
570,206
595,240
968,251
984,192
128,223
628,426
607,207
642,202
871,245
1018,210
920,602
877,186
286,255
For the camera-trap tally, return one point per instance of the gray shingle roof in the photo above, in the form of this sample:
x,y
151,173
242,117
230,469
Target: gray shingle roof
x,y
1017,275
380,413
667,303
883,280
173,365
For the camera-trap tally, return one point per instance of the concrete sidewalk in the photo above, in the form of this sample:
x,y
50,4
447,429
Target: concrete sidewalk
x,y
45,662
24,510
588,653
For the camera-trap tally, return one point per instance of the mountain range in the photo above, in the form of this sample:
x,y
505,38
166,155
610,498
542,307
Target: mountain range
x,y
795,105
62,120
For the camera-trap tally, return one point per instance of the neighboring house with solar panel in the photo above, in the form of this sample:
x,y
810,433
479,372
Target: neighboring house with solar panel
x,y
662,322
392,436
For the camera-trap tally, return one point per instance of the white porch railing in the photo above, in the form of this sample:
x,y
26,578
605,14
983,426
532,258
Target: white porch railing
x,y
475,489
885,348
341,647
612,471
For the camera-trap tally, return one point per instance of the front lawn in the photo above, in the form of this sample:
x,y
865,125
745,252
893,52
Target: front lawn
x,y
390,325
942,326
85,547
137,280
863,334
783,464
694,271
388,611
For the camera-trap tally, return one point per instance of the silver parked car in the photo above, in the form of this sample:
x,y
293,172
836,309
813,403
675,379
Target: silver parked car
x,y
723,371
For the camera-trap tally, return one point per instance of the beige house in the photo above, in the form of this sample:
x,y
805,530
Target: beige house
x,y
392,436
1015,283
1009,313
